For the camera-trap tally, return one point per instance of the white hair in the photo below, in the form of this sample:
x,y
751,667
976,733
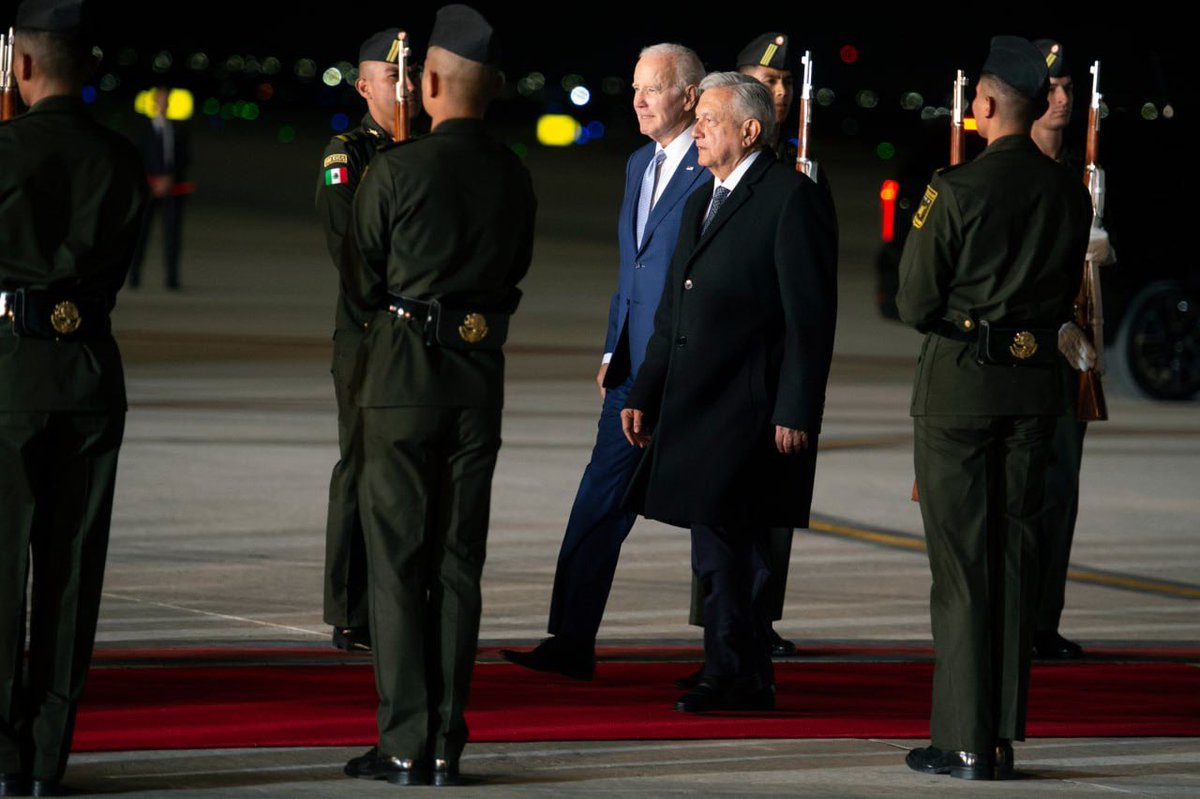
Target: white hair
x,y
685,64
751,100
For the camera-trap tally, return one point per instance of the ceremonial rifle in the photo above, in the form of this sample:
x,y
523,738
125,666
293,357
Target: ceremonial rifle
x,y
1089,314
7,89
958,133
401,111
803,162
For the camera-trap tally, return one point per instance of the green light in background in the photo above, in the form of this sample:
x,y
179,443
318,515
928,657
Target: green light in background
x,y
212,106
520,149
287,134
886,151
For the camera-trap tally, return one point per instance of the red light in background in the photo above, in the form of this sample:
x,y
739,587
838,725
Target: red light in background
x,y
848,53
887,196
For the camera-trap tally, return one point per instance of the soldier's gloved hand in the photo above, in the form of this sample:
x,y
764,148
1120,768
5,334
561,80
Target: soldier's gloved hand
x,y
1075,347
1100,250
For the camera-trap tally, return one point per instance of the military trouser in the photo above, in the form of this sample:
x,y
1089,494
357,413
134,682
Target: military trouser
x,y
981,481
1062,507
345,550
779,556
57,473
426,493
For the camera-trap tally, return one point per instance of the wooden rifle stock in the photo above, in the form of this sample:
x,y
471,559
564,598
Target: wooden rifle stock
x,y
803,162
401,110
1092,406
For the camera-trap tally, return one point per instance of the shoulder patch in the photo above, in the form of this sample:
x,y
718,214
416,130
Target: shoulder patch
x,y
923,208
336,158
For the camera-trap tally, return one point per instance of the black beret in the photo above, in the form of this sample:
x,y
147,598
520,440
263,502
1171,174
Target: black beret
x,y
381,47
57,16
1052,51
1019,64
768,50
463,31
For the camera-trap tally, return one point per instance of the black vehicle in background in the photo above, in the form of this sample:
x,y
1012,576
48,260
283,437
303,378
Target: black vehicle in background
x,y
1152,213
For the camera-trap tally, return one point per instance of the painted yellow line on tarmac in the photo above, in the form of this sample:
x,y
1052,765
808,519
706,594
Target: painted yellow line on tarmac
x,y
1106,579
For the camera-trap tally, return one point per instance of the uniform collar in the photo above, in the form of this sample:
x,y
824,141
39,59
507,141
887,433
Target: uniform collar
x,y
1015,141
372,127
58,103
459,125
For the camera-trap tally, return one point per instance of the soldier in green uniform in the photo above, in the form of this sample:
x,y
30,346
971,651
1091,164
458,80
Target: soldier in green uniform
x,y
988,273
442,231
1066,453
72,195
342,167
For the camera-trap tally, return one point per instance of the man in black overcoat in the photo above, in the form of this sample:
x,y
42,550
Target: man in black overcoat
x,y
730,397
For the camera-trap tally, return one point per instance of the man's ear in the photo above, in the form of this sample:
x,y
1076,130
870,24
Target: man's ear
x,y
435,83
751,132
690,97
362,87
25,68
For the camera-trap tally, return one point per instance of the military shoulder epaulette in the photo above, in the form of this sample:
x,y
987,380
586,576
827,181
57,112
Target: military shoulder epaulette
x,y
949,168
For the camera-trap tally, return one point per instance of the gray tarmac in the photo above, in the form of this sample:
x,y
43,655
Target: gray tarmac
x,y
220,508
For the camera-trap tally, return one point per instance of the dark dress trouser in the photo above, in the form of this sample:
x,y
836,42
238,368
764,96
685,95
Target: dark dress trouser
x,y
57,474
733,571
587,559
426,495
981,481
1062,508
345,549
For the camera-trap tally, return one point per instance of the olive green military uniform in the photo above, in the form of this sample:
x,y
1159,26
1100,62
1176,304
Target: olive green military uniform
x,y
342,167
72,194
447,217
998,239
1062,490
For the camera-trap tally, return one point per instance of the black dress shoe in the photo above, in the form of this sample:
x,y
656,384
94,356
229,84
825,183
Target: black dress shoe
x,y
780,646
445,773
1004,760
556,656
710,695
691,680
398,771
1052,646
964,765
13,785
47,788
352,639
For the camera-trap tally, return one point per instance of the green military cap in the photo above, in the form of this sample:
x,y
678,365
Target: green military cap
x,y
381,46
768,50
56,16
463,31
1056,63
1019,64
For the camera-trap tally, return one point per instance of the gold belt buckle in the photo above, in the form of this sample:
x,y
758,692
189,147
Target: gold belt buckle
x,y
1024,345
65,318
473,329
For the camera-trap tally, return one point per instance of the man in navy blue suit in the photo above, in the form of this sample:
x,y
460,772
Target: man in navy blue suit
x,y
659,178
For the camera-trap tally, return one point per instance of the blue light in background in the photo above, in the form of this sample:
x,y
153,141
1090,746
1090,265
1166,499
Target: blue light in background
x,y
88,94
339,122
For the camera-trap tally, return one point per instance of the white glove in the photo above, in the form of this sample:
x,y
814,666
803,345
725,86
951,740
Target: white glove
x,y
1100,251
1075,347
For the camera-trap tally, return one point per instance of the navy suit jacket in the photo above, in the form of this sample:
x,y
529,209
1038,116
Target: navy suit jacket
x,y
643,270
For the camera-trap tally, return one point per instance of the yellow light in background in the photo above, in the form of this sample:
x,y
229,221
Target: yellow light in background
x,y
969,123
180,104
557,130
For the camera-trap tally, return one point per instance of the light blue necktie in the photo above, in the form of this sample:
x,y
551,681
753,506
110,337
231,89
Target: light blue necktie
x,y
717,201
646,196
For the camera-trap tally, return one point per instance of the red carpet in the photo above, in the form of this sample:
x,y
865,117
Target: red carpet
x,y
208,706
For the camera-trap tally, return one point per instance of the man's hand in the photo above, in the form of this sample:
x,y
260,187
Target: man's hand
x,y
1100,250
632,427
789,441
600,379
1075,347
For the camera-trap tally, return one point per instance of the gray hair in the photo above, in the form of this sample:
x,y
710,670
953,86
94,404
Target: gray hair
x,y
685,64
751,100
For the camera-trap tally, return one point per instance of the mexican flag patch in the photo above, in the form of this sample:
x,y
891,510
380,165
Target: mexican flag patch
x,y
336,175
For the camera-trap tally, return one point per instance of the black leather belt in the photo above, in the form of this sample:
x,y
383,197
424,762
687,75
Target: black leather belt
x,y
55,315
409,309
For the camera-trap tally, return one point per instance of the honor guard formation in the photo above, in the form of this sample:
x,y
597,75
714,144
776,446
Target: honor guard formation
x,y
713,375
